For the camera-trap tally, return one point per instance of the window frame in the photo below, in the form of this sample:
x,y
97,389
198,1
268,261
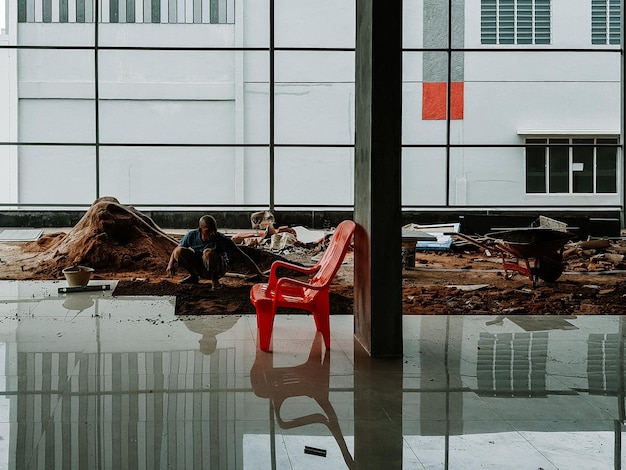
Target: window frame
x,y
572,148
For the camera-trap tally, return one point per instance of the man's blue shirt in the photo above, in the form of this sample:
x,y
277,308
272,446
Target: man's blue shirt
x,y
224,245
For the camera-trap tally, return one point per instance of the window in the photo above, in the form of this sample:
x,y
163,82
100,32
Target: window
x,y
577,165
127,11
605,21
515,21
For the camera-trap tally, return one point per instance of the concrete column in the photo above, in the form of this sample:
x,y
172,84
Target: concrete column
x,y
377,192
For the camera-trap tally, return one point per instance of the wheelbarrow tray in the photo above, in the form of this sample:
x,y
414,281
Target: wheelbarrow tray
x,y
530,242
543,245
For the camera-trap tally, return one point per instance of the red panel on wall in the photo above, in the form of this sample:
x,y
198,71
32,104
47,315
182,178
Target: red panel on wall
x,y
457,97
434,97
433,100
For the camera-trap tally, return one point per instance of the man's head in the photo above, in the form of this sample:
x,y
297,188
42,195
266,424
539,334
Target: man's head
x,y
208,228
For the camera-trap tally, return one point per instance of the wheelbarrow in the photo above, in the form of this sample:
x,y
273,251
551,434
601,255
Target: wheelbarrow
x,y
518,247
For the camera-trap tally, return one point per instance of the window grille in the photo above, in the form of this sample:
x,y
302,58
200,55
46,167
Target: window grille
x,y
605,21
515,22
127,11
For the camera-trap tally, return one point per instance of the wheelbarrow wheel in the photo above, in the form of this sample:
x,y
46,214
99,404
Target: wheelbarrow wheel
x,y
550,267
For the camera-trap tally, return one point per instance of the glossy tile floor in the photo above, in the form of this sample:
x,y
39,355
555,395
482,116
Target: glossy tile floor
x,y
91,381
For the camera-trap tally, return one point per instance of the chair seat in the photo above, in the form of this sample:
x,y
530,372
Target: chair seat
x,y
288,294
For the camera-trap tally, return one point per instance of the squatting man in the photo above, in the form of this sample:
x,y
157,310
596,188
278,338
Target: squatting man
x,y
206,253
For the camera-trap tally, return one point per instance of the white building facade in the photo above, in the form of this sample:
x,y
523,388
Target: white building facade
x,y
182,104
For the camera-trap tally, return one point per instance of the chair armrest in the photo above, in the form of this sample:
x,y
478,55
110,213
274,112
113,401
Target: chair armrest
x,y
294,282
284,282
293,267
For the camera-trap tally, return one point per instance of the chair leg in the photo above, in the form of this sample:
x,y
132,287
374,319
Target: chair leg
x,y
321,315
265,324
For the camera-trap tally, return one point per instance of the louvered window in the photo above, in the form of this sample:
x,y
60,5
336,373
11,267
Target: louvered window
x,y
515,22
605,21
126,11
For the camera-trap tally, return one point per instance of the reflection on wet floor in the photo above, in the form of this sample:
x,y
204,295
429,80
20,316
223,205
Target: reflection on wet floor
x,y
94,381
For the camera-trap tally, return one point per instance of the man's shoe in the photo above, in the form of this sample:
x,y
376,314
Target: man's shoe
x,y
191,279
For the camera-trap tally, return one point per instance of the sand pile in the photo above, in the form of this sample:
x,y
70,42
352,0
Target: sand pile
x,y
108,237
113,238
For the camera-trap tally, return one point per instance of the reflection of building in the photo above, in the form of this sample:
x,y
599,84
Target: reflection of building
x,y
118,410
98,391
512,364
91,394
186,84
605,366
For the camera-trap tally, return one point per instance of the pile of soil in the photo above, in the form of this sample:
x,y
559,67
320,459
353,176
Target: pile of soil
x,y
109,237
122,244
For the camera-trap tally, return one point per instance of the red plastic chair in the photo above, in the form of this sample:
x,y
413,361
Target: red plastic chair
x,y
312,296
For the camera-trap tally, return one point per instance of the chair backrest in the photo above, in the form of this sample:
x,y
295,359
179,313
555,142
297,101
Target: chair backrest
x,y
335,253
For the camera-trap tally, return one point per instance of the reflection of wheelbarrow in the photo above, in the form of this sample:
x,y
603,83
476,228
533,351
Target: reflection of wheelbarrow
x,y
544,246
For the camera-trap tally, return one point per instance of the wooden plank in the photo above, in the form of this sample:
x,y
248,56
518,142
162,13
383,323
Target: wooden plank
x,y
68,290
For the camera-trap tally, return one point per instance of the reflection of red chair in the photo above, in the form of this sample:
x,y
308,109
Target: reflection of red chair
x,y
312,296
310,379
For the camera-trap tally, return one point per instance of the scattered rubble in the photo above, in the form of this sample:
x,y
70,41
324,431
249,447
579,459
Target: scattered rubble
x,y
121,243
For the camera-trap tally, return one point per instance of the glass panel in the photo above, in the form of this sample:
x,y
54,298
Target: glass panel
x,y
57,120
535,167
254,25
314,98
412,24
8,171
183,97
57,33
56,96
74,170
606,167
314,176
166,175
486,176
435,23
423,176
56,73
167,122
559,167
323,23
425,97
163,74
582,168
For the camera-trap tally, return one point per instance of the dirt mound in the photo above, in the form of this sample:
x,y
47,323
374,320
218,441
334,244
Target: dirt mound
x,y
117,241
109,237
